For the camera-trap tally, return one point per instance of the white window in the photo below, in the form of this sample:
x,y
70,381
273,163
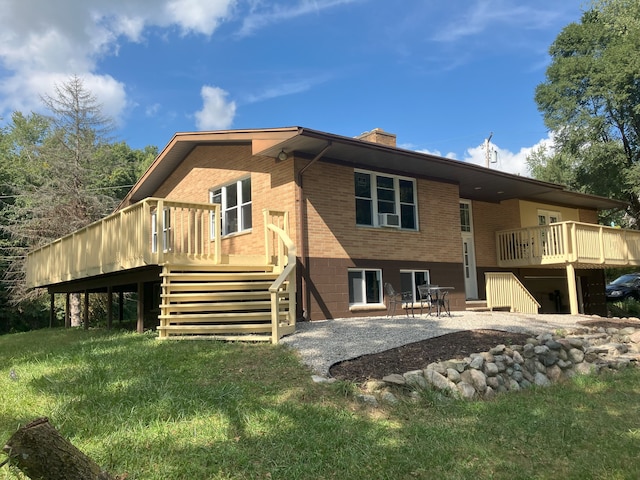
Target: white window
x,y
154,232
385,200
365,287
166,231
545,217
465,217
410,279
235,201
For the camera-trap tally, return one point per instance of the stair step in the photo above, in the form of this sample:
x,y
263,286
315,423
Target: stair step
x,y
226,338
173,298
222,306
219,286
252,328
217,277
235,317
219,268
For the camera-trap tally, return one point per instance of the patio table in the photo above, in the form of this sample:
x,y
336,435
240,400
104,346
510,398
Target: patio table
x,y
440,297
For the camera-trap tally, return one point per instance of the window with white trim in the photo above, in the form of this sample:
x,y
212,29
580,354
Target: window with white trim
x,y
235,202
546,217
465,217
166,231
154,232
385,200
365,286
410,279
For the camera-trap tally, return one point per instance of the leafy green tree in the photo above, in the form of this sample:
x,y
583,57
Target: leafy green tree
x,y
591,102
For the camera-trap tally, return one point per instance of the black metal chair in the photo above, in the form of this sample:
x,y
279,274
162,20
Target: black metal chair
x,y
426,298
394,298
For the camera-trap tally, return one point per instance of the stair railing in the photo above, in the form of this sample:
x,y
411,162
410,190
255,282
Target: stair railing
x,y
284,286
505,290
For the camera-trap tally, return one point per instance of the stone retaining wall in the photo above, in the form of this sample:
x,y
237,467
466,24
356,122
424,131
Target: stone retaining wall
x,y
543,360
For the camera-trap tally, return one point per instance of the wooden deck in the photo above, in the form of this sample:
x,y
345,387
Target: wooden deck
x,y
581,244
204,294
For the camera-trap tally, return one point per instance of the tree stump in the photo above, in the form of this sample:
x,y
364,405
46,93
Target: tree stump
x,y
41,453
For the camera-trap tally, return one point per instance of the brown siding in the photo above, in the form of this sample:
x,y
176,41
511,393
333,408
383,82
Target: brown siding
x,y
329,288
588,216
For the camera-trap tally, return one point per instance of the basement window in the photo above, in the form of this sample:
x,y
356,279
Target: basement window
x,y
410,279
365,287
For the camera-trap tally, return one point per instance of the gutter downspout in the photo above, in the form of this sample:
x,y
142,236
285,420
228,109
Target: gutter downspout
x,y
302,232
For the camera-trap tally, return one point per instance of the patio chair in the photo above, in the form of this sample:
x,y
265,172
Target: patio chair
x,y
424,291
394,298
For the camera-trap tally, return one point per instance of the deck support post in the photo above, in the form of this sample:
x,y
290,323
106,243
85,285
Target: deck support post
x,y
573,289
86,310
120,306
109,307
52,309
140,326
67,311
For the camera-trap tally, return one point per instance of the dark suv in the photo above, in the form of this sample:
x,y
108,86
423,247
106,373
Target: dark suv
x,y
623,287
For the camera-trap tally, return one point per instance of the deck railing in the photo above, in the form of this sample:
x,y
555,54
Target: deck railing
x,y
150,232
568,242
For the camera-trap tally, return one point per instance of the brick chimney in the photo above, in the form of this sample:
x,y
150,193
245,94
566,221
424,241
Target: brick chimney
x,y
377,135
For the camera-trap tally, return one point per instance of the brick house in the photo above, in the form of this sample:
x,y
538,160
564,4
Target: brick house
x,y
316,223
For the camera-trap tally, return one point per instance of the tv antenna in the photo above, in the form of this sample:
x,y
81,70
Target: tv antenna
x,y
490,154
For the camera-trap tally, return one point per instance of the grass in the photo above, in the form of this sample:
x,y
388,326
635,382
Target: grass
x,y
212,410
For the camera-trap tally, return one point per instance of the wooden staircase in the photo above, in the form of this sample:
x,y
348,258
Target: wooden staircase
x,y
226,302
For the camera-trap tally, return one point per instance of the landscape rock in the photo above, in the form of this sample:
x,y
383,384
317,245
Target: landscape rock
x,y
542,361
466,391
370,400
415,378
439,381
395,379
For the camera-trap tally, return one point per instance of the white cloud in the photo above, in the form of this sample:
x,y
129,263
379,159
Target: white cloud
x,y
260,18
199,16
507,161
438,153
287,88
44,41
492,14
24,94
217,112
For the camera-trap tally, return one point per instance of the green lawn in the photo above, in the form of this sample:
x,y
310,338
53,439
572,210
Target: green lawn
x,y
212,410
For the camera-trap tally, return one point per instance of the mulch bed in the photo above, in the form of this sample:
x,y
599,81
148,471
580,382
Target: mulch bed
x,y
458,345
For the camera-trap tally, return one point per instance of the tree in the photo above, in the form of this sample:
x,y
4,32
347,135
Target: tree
x,y
591,102
20,141
58,173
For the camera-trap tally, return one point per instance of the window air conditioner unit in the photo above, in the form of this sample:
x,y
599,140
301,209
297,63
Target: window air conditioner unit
x,y
389,220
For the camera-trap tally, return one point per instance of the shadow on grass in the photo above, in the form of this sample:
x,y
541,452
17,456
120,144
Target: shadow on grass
x,y
229,410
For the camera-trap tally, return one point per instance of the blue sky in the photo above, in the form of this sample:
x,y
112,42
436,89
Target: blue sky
x,y
440,75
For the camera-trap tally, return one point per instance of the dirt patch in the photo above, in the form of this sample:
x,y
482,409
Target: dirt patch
x,y
418,355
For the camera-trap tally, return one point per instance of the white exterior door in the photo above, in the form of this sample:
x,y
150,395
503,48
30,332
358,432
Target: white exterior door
x,y
468,251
